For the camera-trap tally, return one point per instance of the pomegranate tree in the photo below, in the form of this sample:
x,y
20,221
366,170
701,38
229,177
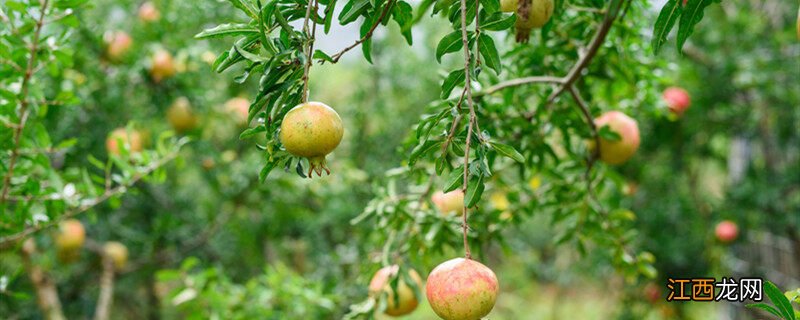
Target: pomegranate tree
x,y
530,14
312,130
180,115
619,151
70,235
406,300
448,203
726,231
462,289
677,100
132,139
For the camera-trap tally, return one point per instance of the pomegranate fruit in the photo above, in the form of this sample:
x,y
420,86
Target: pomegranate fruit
x,y
406,298
530,14
180,115
148,12
677,100
462,289
117,252
448,203
312,130
239,108
162,65
726,231
133,140
118,43
70,236
617,152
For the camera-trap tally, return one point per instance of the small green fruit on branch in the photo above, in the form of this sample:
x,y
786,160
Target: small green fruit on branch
x,y
462,289
312,130
405,301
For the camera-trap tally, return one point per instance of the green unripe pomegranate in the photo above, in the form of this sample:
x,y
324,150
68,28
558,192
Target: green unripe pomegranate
x,y
462,289
406,299
312,130
118,253
181,116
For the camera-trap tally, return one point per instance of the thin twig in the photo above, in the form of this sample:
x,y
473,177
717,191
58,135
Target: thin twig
x,y
472,119
335,58
308,48
518,82
23,96
8,241
599,37
46,291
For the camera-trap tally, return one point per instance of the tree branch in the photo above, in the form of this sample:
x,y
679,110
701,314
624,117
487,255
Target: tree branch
x,y
103,308
8,241
473,118
23,97
599,37
335,58
46,292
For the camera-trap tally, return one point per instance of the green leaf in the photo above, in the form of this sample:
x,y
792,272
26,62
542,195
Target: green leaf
x,y
251,132
450,43
765,307
781,302
320,55
692,14
245,6
474,191
664,23
329,11
249,55
453,79
352,10
508,151
262,175
421,149
403,15
606,133
454,180
227,30
489,53
498,21
490,6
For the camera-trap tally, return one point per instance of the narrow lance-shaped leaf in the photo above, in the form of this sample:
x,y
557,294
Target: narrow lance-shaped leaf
x,y
227,30
508,151
450,43
489,53
664,23
474,191
691,15
453,79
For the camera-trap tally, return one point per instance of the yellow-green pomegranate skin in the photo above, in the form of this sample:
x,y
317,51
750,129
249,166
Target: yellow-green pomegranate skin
x,y
312,130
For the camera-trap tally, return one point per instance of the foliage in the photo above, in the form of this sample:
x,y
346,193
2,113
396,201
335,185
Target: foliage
x,y
214,230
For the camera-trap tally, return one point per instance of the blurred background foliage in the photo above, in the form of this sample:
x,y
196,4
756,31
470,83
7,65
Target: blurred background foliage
x,y
207,240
